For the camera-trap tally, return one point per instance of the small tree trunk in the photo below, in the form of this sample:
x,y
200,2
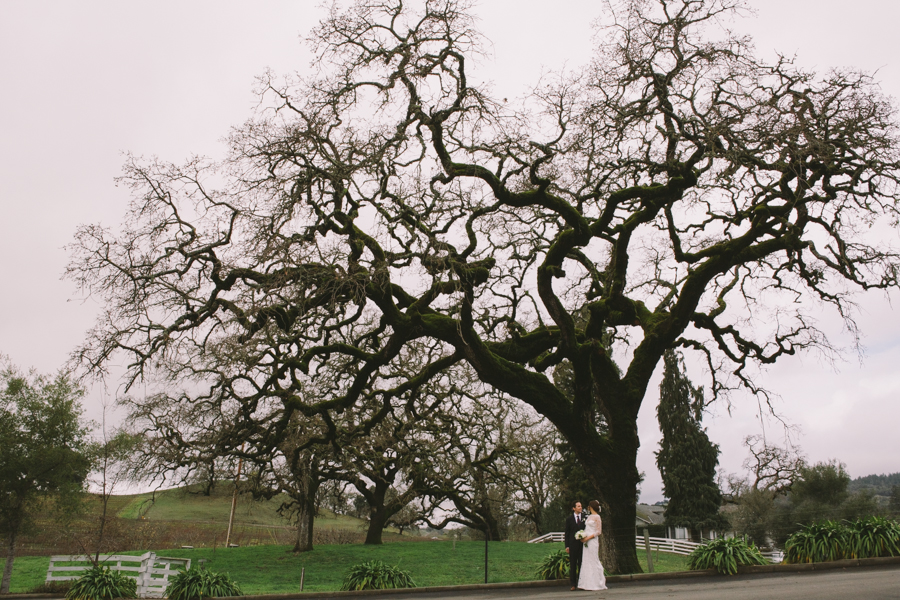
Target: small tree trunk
x,y
377,521
306,512
10,557
304,529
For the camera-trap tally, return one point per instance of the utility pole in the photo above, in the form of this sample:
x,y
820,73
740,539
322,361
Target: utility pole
x,y
234,501
487,536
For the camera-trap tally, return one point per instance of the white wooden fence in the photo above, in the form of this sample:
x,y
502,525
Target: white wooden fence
x,y
151,571
682,547
555,536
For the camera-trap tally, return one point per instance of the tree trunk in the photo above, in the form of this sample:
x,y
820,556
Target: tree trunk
x,y
493,526
378,517
10,557
615,478
380,510
618,552
303,492
305,515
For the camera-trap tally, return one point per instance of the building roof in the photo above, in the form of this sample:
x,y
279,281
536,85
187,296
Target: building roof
x,y
650,514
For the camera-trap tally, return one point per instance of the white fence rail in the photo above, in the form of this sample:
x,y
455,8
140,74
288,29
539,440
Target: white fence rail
x,y
682,547
556,536
151,571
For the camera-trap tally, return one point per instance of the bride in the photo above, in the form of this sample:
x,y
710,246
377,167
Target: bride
x,y
591,576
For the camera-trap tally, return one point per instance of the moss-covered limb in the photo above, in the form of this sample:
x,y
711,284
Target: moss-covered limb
x,y
551,268
528,347
533,388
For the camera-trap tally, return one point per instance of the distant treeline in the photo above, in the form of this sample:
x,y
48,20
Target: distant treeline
x,y
880,485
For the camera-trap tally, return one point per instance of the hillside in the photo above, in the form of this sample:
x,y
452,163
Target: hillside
x,y
181,517
188,504
879,485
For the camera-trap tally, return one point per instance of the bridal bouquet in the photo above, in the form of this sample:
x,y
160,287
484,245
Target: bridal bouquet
x,y
580,535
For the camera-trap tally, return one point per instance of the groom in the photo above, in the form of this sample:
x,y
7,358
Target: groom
x,y
574,548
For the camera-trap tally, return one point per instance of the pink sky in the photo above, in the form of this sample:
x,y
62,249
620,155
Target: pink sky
x,y
84,82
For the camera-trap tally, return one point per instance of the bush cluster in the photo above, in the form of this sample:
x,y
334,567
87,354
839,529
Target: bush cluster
x,y
375,575
555,566
102,583
832,540
725,556
197,583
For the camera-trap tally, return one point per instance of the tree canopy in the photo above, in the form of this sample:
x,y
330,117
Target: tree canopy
x,y
675,192
44,451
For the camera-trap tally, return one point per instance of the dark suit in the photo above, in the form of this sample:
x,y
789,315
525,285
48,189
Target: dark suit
x,y
576,548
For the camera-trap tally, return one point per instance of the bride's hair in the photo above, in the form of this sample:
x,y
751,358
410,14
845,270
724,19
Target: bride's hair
x,y
595,505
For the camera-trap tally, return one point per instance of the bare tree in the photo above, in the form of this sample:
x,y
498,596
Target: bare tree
x,y
469,450
533,448
677,192
773,469
112,455
772,472
379,468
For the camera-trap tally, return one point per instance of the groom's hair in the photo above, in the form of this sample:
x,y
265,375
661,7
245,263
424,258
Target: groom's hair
x,y
574,502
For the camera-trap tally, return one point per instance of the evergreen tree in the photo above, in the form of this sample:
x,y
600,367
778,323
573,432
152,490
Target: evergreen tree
x,y
44,451
687,460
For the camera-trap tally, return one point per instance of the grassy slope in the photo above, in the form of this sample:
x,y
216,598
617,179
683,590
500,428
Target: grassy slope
x,y
272,569
181,505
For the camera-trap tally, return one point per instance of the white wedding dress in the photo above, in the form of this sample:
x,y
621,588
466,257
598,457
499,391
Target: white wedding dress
x,y
591,576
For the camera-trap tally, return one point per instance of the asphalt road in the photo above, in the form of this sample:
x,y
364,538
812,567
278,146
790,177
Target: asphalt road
x,y
878,583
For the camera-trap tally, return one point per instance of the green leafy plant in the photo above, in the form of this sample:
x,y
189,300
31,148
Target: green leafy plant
x,y
555,566
871,537
817,542
725,556
375,575
102,583
196,583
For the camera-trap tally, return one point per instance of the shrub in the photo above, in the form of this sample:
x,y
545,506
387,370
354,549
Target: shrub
x,y
818,542
102,583
871,537
725,555
555,566
196,583
375,575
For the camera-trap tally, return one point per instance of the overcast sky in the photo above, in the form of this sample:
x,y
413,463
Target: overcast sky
x,y
85,81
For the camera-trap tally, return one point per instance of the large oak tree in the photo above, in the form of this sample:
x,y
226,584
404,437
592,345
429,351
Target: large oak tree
x,y
676,192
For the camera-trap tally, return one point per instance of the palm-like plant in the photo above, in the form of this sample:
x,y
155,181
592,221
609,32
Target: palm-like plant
x,y
817,542
725,555
555,566
102,583
871,537
375,575
196,583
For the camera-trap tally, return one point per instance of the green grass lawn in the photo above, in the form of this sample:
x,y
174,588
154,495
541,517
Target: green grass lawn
x,y
273,569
